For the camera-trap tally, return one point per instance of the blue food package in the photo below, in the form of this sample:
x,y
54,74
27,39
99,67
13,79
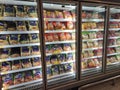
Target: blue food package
x,y
15,52
28,76
54,60
13,39
4,40
35,50
48,48
33,25
18,78
34,38
68,67
56,49
16,65
8,11
55,70
25,51
61,68
4,53
11,26
20,11
37,74
24,38
31,10
2,26
7,80
47,59
36,61
21,26
26,63
69,56
6,66
61,57
67,47
49,72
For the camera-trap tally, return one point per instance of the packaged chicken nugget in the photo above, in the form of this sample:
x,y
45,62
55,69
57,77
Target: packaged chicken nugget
x,y
10,26
50,26
7,80
25,51
8,11
62,36
4,53
36,61
68,36
18,78
16,65
24,38
56,37
4,40
15,52
37,74
33,25
6,66
26,63
35,50
21,26
34,38
28,76
13,39
20,11
32,11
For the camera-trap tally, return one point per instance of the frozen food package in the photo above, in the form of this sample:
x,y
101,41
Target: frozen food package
x,y
35,50
56,49
49,72
28,76
34,38
73,36
67,14
36,61
55,70
7,80
32,11
69,57
59,14
24,38
50,26
51,14
73,15
18,78
61,57
59,25
4,40
67,47
95,43
118,41
62,36
4,53
20,11
13,39
68,67
37,74
70,25
16,65
10,26
45,26
47,59
91,63
54,60
68,36
117,49
6,66
8,11
21,26
91,53
91,44
49,37
61,69
25,51
15,52
1,10
44,13
26,63
2,26
48,14
97,62
84,45
85,54
56,37
33,25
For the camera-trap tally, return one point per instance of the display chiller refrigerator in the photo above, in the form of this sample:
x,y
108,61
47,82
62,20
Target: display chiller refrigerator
x,y
60,32
20,57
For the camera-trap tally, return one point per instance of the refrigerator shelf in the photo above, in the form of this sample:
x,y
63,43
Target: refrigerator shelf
x,y
19,45
114,37
61,63
13,2
59,31
115,20
113,54
20,70
114,29
64,52
60,42
59,19
92,57
92,20
114,46
89,30
19,58
18,19
18,32
23,84
92,49
110,64
90,69
86,40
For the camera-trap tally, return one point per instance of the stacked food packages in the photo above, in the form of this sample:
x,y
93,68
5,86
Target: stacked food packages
x,y
92,39
59,26
19,46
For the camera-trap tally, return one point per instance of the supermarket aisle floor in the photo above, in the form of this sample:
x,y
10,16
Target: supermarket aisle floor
x,y
106,86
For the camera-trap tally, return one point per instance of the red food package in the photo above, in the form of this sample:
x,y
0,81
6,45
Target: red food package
x,y
68,36
70,25
45,25
59,26
44,14
50,26
59,14
67,14
84,14
62,36
49,37
56,37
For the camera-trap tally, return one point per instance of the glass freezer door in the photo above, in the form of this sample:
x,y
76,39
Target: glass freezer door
x,y
60,41
92,38
113,48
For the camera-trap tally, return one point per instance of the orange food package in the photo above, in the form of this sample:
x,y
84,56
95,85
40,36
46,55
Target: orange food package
x,y
45,25
68,36
49,37
59,26
59,14
50,26
56,37
44,13
70,25
67,14
50,14
62,36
